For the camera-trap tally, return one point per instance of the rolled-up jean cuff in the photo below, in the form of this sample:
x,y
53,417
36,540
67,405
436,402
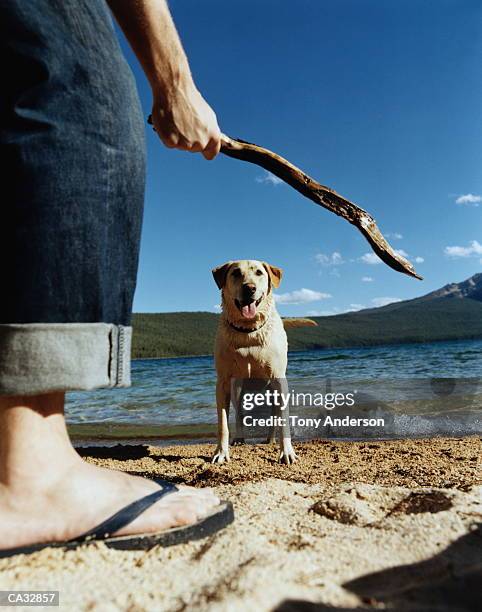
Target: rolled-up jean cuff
x,y
40,358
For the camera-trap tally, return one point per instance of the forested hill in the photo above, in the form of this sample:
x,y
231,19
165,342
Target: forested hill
x,y
453,312
173,334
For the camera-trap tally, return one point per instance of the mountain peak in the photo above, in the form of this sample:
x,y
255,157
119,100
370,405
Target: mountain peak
x,y
470,288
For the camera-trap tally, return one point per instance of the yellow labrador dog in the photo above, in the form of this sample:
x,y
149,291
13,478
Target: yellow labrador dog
x,y
251,340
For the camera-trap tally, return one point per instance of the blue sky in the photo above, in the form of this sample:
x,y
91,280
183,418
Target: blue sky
x,y
379,100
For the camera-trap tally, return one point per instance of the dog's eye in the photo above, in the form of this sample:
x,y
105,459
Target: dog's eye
x,y
236,272
259,273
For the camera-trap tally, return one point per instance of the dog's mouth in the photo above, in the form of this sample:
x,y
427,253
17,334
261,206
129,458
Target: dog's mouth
x,y
248,308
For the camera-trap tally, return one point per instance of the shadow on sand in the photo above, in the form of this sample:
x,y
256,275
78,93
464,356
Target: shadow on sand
x,y
450,581
120,451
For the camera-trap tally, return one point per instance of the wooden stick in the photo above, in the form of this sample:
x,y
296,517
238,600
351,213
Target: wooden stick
x,y
324,196
321,195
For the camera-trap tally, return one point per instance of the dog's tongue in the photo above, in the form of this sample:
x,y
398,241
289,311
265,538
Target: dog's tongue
x,y
249,311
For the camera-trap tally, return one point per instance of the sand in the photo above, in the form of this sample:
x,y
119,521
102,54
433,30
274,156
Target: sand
x,y
379,525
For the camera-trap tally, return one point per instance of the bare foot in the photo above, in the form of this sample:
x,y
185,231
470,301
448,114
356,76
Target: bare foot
x,y
81,496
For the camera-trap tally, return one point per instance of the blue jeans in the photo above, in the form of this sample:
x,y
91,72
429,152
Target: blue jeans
x,y
73,160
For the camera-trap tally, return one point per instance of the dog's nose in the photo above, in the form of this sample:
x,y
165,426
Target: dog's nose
x,y
249,288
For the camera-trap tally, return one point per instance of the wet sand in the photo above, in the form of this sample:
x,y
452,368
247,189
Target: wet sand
x,y
378,525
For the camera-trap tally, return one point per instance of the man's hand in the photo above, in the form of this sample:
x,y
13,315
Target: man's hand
x,y
181,116
184,120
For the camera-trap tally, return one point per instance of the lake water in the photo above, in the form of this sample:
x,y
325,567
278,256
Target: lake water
x,y
175,398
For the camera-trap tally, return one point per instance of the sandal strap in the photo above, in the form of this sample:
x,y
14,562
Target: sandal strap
x,y
127,514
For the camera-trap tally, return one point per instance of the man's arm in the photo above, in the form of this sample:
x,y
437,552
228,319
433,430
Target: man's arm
x,y
181,116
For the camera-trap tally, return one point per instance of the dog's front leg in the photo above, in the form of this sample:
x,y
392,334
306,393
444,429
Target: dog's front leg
x,y
223,399
287,454
237,392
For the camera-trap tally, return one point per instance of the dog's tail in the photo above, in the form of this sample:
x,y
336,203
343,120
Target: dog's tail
x,y
298,322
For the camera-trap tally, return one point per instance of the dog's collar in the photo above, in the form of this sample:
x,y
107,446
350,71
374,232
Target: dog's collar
x,y
247,330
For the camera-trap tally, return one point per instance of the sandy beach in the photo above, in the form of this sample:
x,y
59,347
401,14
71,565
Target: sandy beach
x,y
378,525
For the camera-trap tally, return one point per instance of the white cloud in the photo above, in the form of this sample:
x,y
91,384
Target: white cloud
x,y
335,259
269,178
401,252
474,248
418,259
334,311
323,313
394,235
469,199
384,301
371,259
367,279
217,307
301,296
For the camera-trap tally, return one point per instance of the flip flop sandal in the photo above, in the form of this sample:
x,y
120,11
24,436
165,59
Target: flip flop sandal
x,y
221,516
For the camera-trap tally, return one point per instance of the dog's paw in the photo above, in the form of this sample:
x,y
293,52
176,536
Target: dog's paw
x,y
287,453
220,456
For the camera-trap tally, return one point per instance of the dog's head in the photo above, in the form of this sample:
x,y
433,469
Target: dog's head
x,y
246,287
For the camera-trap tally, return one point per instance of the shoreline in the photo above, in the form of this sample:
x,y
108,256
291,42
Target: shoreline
x,y
162,442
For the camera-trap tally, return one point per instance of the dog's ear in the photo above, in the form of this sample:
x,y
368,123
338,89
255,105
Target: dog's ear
x,y
275,274
220,273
